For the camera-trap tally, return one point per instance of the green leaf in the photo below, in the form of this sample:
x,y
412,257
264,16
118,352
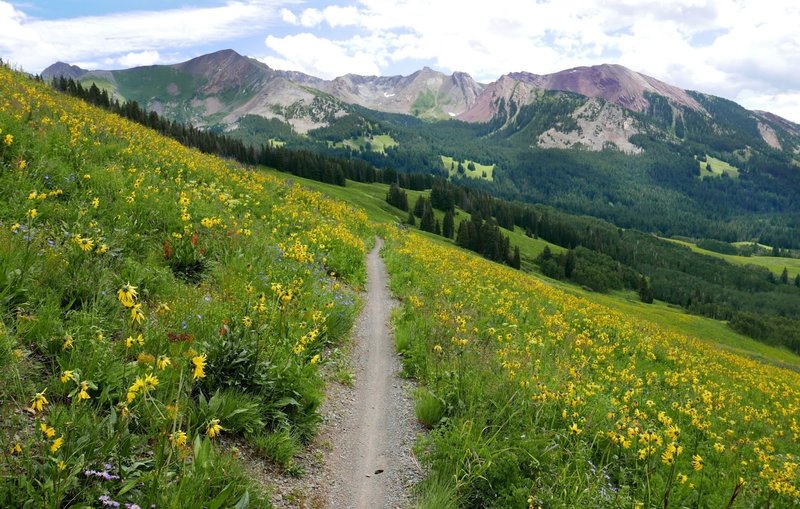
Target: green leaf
x,y
243,502
128,486
220,499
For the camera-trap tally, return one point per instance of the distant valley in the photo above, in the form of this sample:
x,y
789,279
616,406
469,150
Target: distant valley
x,y
602,140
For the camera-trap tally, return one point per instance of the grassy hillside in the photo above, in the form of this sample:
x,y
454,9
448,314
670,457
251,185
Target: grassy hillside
x,y
776,264
539,398
153,299
480,171
372,199
713,167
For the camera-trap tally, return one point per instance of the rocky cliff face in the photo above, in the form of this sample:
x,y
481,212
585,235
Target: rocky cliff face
x,y
425,93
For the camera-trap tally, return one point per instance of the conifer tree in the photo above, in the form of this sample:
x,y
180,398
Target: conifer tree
x,y
427,223
419,206
645,292
448,225
516,262
569,264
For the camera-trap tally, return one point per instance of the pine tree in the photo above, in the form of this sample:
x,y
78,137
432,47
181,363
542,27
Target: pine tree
x,y
569,264
516,262
397,197
463,236
645,292
785,276
427,223
411,220
448,225
797,280
419,206
546,254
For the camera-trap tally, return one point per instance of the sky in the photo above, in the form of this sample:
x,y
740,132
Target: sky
x,y
744,50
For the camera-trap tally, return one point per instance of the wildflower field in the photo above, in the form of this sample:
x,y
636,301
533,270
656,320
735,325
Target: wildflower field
x,y
159,306
536,398
155,301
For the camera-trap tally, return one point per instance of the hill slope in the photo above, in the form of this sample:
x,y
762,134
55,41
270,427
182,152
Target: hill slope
x,y
152,299
558,400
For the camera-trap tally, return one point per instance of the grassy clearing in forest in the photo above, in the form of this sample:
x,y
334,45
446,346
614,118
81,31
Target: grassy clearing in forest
x,y
776,264
470,168
713,167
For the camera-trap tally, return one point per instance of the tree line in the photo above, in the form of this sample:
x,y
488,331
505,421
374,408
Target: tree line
x,y
303,163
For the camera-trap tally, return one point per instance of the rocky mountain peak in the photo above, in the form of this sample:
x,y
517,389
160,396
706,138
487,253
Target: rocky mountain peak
x,y
224,70
616,84
63,69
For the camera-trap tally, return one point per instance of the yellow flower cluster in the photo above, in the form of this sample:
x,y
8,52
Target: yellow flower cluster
x,y
661,393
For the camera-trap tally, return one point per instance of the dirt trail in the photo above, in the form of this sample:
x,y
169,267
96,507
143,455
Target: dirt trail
x,y
370,462
367,428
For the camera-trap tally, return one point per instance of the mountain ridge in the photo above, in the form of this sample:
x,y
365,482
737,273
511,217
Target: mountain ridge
x,y
222,87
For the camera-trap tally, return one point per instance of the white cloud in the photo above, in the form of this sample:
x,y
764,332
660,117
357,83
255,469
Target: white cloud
x,y
35,43
786,104
336,16
311,18
288,16
139,59
321,57
724,47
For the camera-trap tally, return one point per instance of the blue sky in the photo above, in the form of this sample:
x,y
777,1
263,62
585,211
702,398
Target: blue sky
x,y
743,50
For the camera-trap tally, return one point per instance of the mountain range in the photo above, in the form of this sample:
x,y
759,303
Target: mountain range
x,y
601,140
222,87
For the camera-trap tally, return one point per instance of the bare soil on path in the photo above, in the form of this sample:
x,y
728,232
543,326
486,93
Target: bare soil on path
x,y
362,457
371,459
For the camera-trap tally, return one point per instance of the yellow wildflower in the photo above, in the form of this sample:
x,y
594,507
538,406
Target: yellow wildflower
x,y
719,447
127,295
86,244
213,428
68,343
48,431
22,164
56,445
15,449
178,438
163,362
9,139
697,462
681,478
39,401
199,362
437,348
137,315
575,430
84,394
95,203
32,213
150,381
